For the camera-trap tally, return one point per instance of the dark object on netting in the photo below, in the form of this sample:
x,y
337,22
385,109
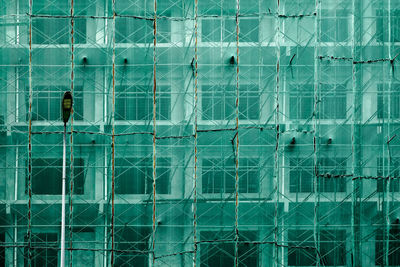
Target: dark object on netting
x,y
84,60
125,61
329,141
66,106
232,60
293,141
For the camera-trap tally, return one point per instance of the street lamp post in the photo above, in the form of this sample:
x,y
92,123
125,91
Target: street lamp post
x,y
66,107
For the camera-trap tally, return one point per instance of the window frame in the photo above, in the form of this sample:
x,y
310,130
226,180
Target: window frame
x,y
231,245
296,94
64,37
125,94
292,244
82,174
393,167
382,16
394,239
53,100
338,94
132,245
226,174
339,19
48,247
2,248
148,175
227,30
296,186
382,96
306,98
164,31
215,100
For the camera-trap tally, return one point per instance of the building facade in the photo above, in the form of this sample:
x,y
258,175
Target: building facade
x,y
204,132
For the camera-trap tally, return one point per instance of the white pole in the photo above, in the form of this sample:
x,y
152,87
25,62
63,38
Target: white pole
x,y
62,264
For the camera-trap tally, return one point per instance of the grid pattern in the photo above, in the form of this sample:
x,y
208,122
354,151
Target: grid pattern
x,y
203,132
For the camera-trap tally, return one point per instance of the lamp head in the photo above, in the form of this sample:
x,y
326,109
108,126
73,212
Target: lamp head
x,y
66,106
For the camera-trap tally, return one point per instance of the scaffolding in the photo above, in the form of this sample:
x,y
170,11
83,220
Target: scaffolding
x,y
203,132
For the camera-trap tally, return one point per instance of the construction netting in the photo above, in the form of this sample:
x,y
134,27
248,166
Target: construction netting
x,y
203,132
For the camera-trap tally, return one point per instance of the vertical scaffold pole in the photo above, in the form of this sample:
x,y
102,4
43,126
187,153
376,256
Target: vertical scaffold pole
x,y
356,135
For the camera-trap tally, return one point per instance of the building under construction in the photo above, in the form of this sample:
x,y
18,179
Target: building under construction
x,y
203,132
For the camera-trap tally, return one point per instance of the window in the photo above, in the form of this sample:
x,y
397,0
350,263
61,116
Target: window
x,y
2,250
135,175
46,102
332,248
132,30
248,30
2,124
249,102
164,29
218,29
394,245
223,254
218,176
211,30
334,25
302,173
47,176
248,175
44,251
87,234
219,102
301,101
57,31
384,97
333,101
79,176
393,168
382,25
136,103
329,168
135,240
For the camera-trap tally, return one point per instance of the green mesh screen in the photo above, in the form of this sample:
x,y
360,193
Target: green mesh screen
x,y
203,133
